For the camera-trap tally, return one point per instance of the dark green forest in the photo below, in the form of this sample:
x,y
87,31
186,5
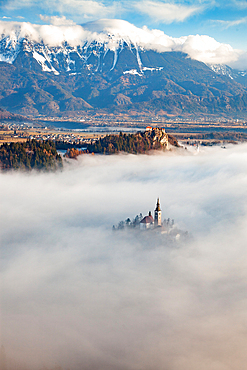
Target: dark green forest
x,y
32,154
141,142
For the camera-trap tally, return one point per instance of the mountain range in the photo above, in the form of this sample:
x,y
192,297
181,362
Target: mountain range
x,y
107,67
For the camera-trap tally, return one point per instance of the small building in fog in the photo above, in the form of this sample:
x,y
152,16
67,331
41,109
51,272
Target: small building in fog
x,y
148,222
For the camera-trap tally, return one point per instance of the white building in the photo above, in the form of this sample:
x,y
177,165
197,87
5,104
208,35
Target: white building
x,y
148,222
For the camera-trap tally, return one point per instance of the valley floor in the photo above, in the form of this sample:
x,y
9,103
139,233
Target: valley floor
x,y
188,132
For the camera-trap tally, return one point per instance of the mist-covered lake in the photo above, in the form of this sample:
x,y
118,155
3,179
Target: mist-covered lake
x,y
75,294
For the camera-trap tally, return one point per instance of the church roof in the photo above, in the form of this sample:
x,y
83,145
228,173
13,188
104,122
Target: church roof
x,y
147,220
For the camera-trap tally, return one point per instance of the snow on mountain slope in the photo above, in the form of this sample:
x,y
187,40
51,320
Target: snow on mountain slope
x,y
233,74
98,45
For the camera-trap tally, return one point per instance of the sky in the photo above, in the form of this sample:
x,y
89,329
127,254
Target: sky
x,y
226,21
76,294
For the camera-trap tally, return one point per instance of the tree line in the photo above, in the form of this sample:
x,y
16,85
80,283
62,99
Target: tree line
x,y
140,142
32,154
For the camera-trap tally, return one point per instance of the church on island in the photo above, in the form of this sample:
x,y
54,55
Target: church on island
x,y
148,222
154,227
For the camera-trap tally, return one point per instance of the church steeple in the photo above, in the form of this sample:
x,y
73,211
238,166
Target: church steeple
x,y
158,205
157,214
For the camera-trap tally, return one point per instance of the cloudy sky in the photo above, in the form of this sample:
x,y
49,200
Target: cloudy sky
x,y
75,294
225,21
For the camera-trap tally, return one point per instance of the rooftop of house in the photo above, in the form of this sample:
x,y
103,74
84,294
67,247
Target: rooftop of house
x,y
147,220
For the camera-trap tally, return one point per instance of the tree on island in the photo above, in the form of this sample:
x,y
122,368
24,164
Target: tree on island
x,y
138,143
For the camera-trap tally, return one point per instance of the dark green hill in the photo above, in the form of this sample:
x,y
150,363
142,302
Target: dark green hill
x,y
138,143
32,154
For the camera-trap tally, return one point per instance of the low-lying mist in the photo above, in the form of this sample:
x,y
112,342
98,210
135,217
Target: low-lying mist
x,y
76,295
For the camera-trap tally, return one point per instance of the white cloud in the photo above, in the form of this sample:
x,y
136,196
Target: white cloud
x,y
83,8
18,4
206,49
160,11
51,35
200,47
76,295
57,21
239,4
228,24
241,62
166,12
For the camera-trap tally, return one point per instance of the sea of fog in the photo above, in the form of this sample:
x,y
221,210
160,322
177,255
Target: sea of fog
x,y
76,295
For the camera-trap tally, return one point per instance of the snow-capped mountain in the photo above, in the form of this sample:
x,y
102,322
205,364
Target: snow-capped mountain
x,y
95,46
234,74
98,45
112,65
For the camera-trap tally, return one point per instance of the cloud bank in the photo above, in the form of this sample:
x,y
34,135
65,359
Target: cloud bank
x,y
111,32
76,295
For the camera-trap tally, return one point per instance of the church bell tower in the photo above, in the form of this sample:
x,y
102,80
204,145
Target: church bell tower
x,y
157,214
